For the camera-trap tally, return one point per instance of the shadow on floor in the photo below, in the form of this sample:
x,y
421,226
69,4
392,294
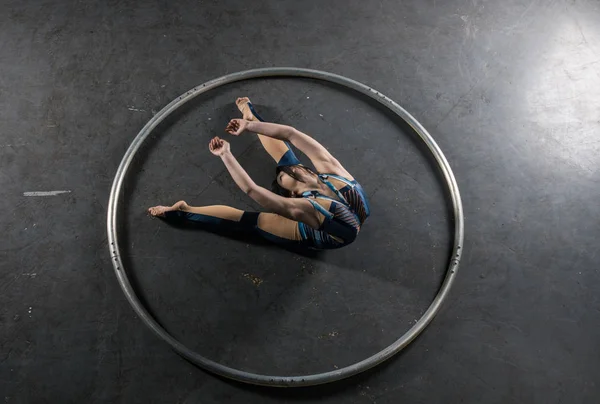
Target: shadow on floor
x,y
308,393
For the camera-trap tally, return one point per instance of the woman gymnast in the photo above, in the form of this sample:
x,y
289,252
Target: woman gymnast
x,y
322,209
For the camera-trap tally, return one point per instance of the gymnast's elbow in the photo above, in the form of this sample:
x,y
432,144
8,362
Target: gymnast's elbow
x,y
251,190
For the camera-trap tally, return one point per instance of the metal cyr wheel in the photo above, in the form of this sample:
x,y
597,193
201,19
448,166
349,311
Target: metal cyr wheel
x,y
286,381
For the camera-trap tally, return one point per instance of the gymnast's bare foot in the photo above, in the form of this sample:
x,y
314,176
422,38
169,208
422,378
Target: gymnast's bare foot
x,y
159,211
242,104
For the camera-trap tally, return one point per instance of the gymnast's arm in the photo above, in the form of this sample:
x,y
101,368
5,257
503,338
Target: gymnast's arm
x,y
323,161
298,209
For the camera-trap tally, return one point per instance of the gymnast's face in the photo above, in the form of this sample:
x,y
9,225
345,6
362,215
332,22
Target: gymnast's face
x,y
297,179
287,182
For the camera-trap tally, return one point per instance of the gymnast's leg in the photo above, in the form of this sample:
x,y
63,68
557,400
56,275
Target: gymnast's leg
x,y
269,226
279,150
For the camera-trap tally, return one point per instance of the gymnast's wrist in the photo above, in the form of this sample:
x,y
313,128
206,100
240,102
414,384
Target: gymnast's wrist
x,y
250,126
226,154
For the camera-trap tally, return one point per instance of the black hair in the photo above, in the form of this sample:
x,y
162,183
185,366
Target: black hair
x,y
278,189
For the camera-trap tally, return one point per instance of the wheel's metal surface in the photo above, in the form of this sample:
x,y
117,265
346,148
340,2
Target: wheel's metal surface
x,y
286,381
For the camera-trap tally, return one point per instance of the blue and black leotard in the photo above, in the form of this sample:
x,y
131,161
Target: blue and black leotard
x,y
343,216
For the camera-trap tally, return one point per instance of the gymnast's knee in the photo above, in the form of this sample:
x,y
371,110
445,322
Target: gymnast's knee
x,y
249,220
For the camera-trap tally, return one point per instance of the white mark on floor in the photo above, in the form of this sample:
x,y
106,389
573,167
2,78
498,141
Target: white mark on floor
x,y
13,145
132,108
308,98
31,275
45,193
30,309
321,115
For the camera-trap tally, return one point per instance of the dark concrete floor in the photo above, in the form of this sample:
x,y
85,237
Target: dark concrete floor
x,y
511,92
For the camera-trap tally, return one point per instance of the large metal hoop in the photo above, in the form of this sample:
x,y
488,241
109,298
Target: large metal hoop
x,y
286,381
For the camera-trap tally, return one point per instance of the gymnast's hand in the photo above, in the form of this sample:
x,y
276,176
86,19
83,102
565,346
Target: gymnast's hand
x,y
236,126
218,146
